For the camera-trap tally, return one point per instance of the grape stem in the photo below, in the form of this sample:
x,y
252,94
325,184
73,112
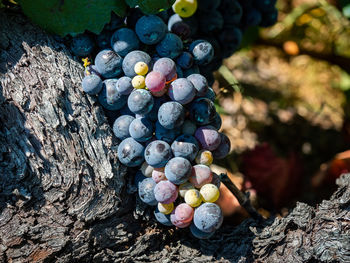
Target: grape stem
x,y
243,198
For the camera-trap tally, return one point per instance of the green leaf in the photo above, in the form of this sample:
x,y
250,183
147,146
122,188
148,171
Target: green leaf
x,y
151,6
72,16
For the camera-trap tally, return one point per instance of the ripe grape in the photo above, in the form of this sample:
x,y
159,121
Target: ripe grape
x,y
150,29
109,63
124,85
131,152
182,91
224,147
165,192
202,111
121,126
146,191
200,84
166,66
146,169
158,153
201,175
208,217
178,170
185,146
92,84
162,218
109,96
200,234
208,137
185,60
124,41
170,46
202,51
166,134
140,101
171,115
188,127
141,129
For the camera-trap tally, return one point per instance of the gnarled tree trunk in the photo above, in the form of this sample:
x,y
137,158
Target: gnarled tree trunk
x,y
64,197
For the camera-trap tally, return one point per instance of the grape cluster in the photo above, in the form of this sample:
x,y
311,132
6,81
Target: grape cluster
x,y
166,119
222,23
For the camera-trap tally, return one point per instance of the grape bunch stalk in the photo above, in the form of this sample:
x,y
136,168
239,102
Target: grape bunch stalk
x,y
147,77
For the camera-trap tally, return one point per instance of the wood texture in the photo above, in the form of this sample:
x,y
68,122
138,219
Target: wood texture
x,y
64,197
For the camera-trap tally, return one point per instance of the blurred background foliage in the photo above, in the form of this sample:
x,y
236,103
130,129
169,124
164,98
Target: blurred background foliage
x,y
284,100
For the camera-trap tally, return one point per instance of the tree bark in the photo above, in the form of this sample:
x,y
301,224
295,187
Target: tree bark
x,y
64,197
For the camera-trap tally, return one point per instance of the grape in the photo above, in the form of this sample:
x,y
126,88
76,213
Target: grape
x,y
200,234
109,97
208,217
202,51
210,94
171,115
252,17
232,39
115,23
210,193
131,59
185,146
265,6
216,180
165,192
150,29
165,134
178,223
224,147
92,84
182,91
184,212
165,208
193,197
183,188
185,60
139,177
166,66
182,30
82,45
124,41
141,68
134,15
178,170
185,8
208,137
175,18
269,18
231,11
124,85
141,129
121,126
179,72
109,63
200,84
193,70
211,22
155,81
162,218
188,127
158,153
158,175
171,46
146,191
146,169
202,111
138,82
140,101
204,157
216,122
130,152
200,175
103,39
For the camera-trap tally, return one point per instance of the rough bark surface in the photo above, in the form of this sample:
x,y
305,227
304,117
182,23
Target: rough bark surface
x,y
64,197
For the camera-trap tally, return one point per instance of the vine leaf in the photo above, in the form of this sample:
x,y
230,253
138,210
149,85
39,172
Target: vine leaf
x,y
151,6
72,16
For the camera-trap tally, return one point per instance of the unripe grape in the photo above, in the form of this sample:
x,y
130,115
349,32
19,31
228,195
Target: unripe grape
x,y
138,82
166,208
204,157
141,68
193,198
210,193
146,169
183,188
